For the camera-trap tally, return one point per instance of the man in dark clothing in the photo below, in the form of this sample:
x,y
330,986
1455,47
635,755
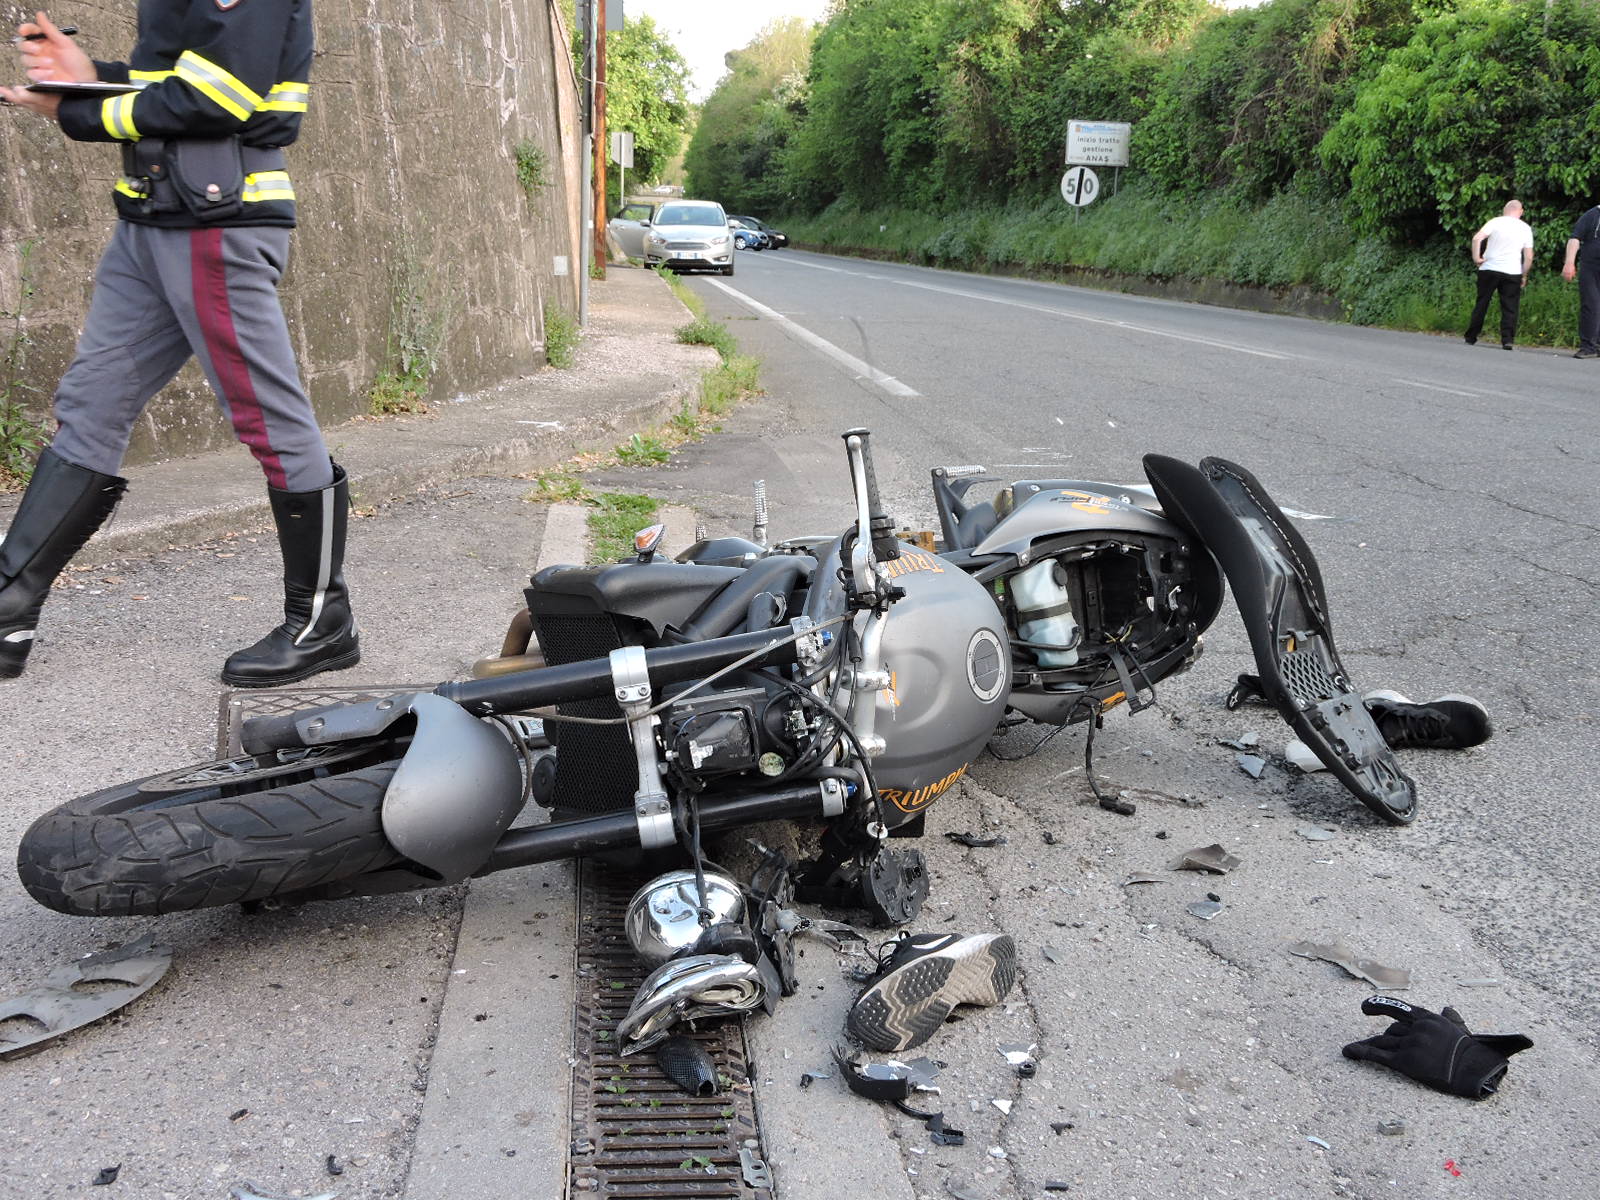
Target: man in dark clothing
x,y
1583,261
213,91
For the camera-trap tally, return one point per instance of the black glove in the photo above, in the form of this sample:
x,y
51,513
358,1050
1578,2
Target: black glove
x,y
1437,1049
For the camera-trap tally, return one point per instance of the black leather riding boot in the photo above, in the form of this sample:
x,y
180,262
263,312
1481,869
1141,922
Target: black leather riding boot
x,y
63,506
318,633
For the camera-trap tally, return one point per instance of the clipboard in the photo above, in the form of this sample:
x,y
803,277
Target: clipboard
x,y
64,88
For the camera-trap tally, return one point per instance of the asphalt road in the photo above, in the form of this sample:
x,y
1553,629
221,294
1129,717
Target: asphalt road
x,y
1455,516
1454,491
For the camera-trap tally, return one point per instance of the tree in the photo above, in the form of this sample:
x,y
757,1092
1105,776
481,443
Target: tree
x,y
736,152
647,94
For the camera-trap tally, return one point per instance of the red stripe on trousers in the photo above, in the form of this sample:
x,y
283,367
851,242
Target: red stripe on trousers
x,y
222,345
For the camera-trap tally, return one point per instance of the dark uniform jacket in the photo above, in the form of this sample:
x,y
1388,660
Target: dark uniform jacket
x,y
210,69
1587,230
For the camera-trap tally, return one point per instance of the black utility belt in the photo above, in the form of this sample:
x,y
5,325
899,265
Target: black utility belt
x,y
203,177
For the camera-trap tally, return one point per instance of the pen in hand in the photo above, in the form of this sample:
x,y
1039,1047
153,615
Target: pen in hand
x,y
69,30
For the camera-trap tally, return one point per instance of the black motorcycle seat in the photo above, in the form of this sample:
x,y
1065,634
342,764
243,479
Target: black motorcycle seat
x,y
660,593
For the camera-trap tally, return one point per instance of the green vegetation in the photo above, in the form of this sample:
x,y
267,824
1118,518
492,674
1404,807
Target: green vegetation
x,y
641,450
533,169
21,436
647,93
1348,147
561,335
703,331
617,516
420,311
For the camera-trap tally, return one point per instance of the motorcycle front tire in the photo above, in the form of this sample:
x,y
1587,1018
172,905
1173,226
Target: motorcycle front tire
x,y
210,835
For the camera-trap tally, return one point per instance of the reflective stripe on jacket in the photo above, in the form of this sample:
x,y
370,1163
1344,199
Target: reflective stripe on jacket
x,y
210,68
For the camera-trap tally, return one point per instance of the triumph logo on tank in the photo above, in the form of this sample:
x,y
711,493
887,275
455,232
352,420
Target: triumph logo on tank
x,y
909,802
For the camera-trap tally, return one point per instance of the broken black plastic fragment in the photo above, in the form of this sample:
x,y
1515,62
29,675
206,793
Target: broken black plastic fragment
x,y
687,1064
975,841
107,1176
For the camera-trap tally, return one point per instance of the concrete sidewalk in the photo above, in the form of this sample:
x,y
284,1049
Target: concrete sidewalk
x,y
631,374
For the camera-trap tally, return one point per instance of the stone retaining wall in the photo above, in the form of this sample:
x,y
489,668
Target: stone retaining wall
x,y
412,217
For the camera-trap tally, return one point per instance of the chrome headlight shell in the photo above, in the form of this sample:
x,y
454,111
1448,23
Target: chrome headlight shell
x,y
663,918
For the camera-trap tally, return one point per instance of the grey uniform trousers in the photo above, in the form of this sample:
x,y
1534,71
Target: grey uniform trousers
x,y
161,295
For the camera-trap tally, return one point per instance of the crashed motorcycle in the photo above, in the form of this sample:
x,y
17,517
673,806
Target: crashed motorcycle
x,y
847,681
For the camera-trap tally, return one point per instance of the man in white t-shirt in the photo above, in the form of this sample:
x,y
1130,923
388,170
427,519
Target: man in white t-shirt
x,y
1503,250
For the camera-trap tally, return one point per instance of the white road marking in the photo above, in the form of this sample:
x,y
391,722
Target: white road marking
x,y
1047,309
1434,387
849,361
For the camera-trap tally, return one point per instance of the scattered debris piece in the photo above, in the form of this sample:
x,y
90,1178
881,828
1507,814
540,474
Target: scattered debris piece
x,y
1060,1127
336,1168
1392,1128
1211,858
1245,741
942,1134
890,1081
1251,764
976,841
1052,954
1143,877
1003,1105
1247,690
756,1173
811,1076
1303,758
58,1006
687,1064
247,1191
1017,1053
1315,833
1480,983
1049,838
962,1188
1056,1185
1205,909
1392,979
1316,1141
107,1176
1450,1165
997,1151
1028,1069
240,1115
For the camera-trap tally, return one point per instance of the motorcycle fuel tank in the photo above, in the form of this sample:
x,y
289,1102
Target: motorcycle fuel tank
x,y
949,666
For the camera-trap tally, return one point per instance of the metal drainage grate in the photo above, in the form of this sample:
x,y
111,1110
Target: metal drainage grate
x,y
238,705
635,1133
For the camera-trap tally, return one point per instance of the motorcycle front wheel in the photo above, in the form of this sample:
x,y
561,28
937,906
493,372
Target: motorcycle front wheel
x,y
216,833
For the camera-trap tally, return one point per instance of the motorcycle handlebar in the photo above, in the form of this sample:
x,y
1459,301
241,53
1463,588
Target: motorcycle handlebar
x,y
554,685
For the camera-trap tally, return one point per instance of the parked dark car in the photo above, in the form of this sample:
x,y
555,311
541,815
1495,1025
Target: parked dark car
x,y
775,240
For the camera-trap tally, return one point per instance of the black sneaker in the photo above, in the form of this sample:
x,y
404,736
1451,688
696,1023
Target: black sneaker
x,y
1505,345
923,978
1444,723
1587,353
1471,341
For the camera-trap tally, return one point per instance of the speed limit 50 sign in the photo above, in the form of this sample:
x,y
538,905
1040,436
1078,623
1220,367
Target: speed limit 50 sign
x,y
1079,186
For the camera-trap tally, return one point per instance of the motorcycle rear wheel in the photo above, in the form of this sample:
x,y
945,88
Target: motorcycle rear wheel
x,y
213,834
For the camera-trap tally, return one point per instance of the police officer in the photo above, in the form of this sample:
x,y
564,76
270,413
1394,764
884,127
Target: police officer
x,y
206,207
1583,261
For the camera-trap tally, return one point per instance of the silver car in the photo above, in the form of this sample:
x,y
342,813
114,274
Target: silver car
x,y
629,226
689,235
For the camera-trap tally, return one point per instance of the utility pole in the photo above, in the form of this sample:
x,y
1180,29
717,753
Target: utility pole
x,y
599,144
586,18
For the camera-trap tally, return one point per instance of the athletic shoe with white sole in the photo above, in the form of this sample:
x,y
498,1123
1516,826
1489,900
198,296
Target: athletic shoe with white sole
x,y
1444,723
923,978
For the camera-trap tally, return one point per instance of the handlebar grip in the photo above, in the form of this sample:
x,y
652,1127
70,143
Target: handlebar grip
x,y
259,735
885,546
